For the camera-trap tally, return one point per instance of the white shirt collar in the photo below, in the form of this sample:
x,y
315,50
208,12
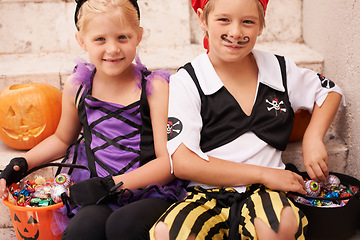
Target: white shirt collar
x,y
269,72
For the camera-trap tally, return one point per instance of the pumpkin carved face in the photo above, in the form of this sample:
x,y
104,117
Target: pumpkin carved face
x,y
28,114
26,228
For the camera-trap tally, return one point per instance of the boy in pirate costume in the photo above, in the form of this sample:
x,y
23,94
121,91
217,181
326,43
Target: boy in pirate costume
x,y
122,108
230,117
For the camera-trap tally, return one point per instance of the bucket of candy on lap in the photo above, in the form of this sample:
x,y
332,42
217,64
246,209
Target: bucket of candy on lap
x,y
32,204
332,208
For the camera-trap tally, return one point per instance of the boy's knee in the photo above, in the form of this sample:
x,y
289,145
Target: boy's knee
x,y
161,231
288,226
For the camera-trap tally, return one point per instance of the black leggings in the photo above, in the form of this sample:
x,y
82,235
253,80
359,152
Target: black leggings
x,y
99,222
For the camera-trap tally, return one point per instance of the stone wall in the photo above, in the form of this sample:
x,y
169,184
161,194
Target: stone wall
x,y
332,28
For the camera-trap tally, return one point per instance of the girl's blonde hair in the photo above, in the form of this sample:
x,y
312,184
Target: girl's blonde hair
x,y
117,10
209,6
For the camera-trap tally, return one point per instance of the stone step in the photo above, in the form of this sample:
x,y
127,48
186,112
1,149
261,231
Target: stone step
x,y
9,234
53,68
337,151
166,24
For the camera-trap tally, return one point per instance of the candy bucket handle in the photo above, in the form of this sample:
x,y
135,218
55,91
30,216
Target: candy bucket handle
x,y
54,164
322,198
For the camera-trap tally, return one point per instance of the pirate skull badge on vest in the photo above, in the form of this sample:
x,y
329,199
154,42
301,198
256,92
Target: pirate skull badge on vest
x,y
276,105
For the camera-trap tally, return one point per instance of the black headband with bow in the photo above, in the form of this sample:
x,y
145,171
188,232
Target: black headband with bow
x,y
79,3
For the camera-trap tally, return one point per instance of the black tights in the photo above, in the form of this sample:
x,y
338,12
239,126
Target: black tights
x,y
131,222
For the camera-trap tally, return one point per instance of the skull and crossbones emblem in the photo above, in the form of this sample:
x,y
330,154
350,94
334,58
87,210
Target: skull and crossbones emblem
x,y
326,83
173,128
276,105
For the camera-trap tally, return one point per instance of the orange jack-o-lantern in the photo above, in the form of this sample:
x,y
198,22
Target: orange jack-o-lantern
x,y
35,223
26,228
28,114
300,123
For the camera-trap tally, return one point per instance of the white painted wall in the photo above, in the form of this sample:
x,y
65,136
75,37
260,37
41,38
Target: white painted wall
x,y
333,29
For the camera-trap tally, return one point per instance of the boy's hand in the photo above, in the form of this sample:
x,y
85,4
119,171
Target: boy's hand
x,y
283,180
315,159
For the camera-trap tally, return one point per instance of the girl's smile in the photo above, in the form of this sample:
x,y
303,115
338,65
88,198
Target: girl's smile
x,y
113,60
111,44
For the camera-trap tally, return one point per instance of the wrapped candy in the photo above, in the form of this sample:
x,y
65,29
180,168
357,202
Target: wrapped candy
x,y
40,180
56,193
332,188
346,194
40,192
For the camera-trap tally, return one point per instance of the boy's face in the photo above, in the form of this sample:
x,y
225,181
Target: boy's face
x,y
111,45
233,27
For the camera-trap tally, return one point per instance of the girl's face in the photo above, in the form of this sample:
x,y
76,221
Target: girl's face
x,y
233,27
111,45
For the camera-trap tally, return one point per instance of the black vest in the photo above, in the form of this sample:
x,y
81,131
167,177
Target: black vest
x,y
224,120
147,150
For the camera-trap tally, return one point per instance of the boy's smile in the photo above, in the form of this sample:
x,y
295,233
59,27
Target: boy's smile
x,y
246,40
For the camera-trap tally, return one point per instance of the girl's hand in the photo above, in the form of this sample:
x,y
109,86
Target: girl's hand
x,y
283,180
15,170
3,189
315,159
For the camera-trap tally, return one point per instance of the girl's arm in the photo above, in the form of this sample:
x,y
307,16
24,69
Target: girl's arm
x,y
67,132
54,146
157,170
314,151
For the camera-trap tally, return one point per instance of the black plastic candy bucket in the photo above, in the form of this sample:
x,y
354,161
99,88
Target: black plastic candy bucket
x,y
333,222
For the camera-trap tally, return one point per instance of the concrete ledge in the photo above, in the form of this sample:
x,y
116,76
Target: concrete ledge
x,y
337,155
337,151
53,68
7,154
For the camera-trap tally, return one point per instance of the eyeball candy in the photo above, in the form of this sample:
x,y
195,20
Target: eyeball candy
x,y
332,183
63,179
312,188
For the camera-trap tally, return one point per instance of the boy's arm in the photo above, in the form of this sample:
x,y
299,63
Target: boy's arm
x,y
218,172
314,151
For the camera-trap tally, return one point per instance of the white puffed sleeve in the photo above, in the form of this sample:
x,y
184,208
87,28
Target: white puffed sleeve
x,y
184,119
306,87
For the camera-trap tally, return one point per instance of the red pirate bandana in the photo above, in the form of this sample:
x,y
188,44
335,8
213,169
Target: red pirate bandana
x,y
201,3
196,4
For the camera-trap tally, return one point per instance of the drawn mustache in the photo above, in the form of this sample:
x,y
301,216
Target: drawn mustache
x,y
246,40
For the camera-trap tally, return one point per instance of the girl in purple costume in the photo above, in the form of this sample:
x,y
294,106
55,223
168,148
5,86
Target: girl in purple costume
x,y
121,110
